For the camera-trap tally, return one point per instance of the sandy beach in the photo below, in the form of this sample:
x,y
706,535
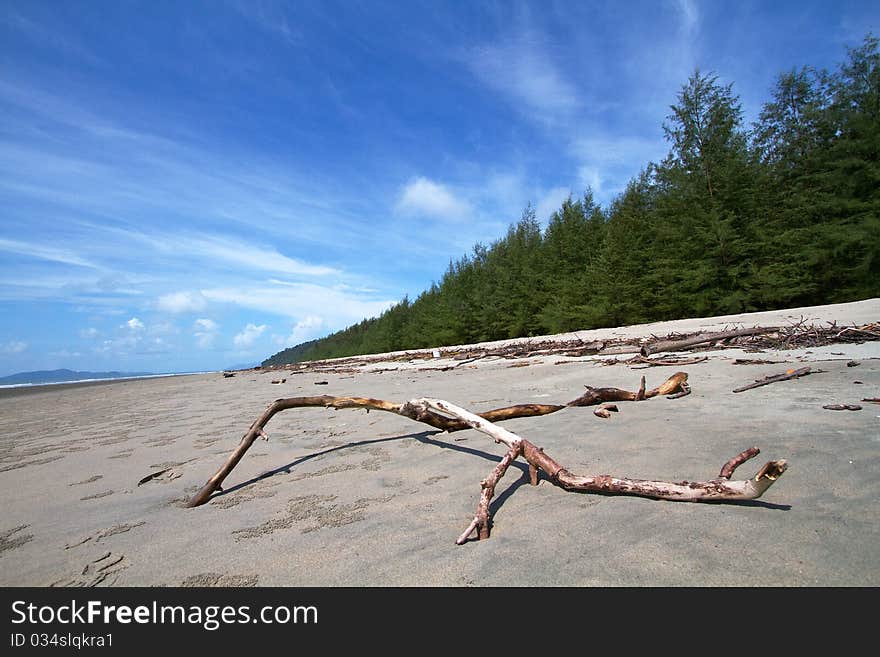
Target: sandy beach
x,y
349,498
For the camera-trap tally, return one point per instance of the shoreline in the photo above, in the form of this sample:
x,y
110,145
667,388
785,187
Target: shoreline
x,y
33,388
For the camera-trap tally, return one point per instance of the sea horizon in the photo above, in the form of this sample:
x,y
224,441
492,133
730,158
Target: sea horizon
x,y
106,378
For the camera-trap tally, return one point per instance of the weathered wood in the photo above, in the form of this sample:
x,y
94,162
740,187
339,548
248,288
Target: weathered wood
x,y
595,396
605,410
425,410
686,343
482,521
429,417
714,490
665,362
790,374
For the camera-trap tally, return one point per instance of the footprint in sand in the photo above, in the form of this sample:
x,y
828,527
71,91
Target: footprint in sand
x,y
98,571
7,542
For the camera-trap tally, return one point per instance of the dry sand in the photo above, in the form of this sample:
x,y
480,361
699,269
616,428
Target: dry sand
x,y
374,499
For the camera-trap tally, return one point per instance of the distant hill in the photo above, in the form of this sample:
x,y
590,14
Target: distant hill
x,y
60,376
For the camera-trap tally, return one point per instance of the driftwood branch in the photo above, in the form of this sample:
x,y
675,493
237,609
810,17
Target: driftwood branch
x,y
702,338
592,397
790,374
437,413
685,491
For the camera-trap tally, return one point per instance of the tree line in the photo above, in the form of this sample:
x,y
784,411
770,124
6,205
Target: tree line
x,y
736,218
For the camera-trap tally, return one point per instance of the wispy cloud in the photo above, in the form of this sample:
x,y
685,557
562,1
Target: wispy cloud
x,y
271,17
524,70
690,16
43,252
339,307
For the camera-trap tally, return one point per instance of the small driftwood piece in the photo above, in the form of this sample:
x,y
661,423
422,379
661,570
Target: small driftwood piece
x,y
875,400
664,362
605,410
842,407
685,491
686,343
591,397
790,374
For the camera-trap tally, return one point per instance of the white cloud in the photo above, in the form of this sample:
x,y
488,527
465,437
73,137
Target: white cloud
x,y
181,302
205,332
89,333
247,337
426,197
306,329
13,347
135,324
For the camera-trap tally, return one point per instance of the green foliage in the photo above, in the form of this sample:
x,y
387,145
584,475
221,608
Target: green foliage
x,y
731,220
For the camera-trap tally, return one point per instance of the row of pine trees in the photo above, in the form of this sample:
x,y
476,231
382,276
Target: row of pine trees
x,y
736,218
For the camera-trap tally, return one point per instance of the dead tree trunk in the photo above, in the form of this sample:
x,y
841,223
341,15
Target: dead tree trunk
x,y
685,343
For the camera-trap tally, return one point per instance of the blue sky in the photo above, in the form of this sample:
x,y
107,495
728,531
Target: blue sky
x,y
195,185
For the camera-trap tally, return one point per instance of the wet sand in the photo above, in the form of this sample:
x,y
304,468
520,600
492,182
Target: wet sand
x,y
349,498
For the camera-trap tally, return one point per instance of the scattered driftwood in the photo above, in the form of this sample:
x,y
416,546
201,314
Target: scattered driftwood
x,y
842,407
799,334
873,400
277,381
853,363
701,338
790,374
442,414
